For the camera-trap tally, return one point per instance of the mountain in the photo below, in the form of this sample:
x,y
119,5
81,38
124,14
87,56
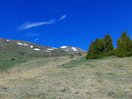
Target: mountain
x,y
15,51
72,50
21,47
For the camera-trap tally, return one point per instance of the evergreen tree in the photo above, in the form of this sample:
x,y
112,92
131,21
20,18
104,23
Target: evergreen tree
x,y
109,48
124,46
100,44
92,52
96,49
108,43
100,48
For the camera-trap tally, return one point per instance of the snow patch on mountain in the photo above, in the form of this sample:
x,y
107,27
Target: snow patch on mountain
x,y
25,44
31,46
37,49
74,49
19,43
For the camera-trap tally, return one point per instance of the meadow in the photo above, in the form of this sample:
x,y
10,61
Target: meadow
x,y
66,78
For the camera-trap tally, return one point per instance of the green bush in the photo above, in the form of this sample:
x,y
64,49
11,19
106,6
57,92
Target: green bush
x,y
12,59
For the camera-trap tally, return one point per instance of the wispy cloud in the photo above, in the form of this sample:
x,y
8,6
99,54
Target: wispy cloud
x,y
37,24
62,17
36,39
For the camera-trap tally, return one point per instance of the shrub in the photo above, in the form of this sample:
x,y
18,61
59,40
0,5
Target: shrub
x,y
12,59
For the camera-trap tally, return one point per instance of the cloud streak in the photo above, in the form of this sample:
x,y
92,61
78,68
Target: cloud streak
x,y
62,17
37,24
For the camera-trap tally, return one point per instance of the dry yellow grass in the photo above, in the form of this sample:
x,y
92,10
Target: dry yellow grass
x,y
46,78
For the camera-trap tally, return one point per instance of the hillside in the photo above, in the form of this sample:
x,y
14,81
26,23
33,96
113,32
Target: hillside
x,y
16,51
66,78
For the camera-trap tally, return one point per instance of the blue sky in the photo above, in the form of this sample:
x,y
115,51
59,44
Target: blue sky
x,y
64,22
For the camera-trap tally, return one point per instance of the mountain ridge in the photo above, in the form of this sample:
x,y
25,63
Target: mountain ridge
x,y
7,44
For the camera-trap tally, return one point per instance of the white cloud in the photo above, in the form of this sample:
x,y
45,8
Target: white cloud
x,y
37,24
62,17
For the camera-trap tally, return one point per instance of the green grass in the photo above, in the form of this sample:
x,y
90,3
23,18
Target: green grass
x,y
83,60
74,63
4,65
9,60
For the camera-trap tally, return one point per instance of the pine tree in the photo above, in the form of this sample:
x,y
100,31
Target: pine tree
x,y
108,43
100,48
96,49
92,52
109,48
124,46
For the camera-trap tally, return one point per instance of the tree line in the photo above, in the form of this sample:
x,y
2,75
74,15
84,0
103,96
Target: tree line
x,y
104,47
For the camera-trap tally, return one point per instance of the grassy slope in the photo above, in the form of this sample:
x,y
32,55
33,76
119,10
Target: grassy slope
x,y
47,78
9,59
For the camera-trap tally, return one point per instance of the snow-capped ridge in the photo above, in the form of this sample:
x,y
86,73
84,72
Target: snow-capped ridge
x,y
38,50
